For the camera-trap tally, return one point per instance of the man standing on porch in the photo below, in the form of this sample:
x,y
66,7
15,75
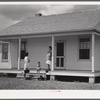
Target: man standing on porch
x,y
49,58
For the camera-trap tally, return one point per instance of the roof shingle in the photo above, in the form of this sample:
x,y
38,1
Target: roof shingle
x,y
55,23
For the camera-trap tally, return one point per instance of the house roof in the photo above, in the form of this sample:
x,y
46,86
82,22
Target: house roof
x,y
55,23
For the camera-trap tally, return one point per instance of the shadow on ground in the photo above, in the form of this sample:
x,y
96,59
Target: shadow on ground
x,y
71,79
75,79
97,80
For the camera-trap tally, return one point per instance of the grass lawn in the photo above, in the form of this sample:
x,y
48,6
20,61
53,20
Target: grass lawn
x,y
17,83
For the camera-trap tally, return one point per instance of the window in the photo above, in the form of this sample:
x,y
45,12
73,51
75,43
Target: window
x,y
60,54
60,49
5,51
23,49
84,48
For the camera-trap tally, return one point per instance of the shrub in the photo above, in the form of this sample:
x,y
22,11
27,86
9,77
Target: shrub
x,y
11,75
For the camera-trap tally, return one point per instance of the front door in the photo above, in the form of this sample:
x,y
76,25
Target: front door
x,y
60,55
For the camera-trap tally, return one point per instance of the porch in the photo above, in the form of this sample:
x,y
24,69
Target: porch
x,y
52,74
65,64
65,72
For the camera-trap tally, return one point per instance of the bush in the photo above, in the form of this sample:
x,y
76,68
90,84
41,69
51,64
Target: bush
x,y
11,75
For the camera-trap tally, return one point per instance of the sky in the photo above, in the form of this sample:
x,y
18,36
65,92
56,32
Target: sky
x,y
12,14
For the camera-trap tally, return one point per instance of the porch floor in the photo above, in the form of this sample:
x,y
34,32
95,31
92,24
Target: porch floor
x,y
81,73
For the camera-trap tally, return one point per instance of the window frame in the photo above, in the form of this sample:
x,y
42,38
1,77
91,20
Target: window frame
x,y
84,37
2,59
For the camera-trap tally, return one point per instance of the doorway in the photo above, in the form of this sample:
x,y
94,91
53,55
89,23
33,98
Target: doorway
x,y
60,55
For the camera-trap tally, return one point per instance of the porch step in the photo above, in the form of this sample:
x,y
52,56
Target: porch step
x,y
32,75
20,75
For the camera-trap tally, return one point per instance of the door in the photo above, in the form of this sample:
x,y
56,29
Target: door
x,y
60,55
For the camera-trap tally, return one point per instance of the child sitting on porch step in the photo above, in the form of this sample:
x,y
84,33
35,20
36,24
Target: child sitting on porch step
x,y
38,67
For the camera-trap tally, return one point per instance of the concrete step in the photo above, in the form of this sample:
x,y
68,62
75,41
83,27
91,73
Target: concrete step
x,y
35,76
30,74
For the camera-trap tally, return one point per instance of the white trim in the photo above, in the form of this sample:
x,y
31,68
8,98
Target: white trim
x,y
19,53
10,55
67,33
4,42
2,38
73,33
93,44
97,33
53,45
26,37
36,36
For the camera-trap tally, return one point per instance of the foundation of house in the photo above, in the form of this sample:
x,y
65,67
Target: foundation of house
x,y
91,79
52,77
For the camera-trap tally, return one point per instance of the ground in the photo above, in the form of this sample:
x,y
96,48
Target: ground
x,y
20,83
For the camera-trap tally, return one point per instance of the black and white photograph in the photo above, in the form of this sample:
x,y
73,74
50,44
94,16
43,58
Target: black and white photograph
x,y
49,46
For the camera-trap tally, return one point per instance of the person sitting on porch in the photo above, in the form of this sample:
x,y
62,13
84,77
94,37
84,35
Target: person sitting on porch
x,y
26,61
38,67
49,58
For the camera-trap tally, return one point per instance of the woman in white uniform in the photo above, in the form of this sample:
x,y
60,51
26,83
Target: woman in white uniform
x,y
26,62
49,58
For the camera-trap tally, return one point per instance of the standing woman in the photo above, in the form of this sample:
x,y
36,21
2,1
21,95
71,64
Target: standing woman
x,y
26,61
49,58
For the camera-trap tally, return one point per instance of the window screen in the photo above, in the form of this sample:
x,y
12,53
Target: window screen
x,y
84,48
5,51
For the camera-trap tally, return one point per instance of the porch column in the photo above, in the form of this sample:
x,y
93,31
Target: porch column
x,y
93,47
53,44
52,77
19,53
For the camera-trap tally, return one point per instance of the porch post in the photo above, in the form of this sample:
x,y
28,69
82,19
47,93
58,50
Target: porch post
x,y
53,44
93,46
52,77
19,53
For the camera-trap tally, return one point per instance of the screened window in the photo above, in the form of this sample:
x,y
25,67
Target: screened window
x,y
84,48
5,51
60,54
60,49
23,49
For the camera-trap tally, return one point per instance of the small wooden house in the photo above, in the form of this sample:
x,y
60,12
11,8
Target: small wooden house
x,y
74,37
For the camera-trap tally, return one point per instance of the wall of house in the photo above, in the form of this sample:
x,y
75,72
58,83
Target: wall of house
x,y
72,61
37,48
4,64
97,53
14,53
